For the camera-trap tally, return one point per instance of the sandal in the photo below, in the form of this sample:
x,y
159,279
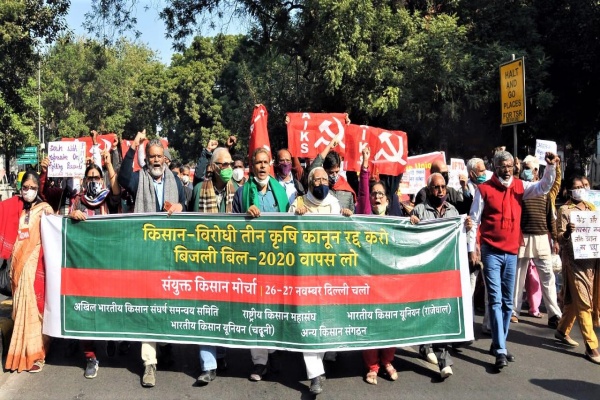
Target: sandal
x,y
536,314
371,377
391,371
37,366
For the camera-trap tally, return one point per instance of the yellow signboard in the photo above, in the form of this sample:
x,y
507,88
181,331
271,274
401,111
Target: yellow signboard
x,y
512,92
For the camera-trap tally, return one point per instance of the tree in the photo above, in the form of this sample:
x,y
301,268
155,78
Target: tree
x,y
24,26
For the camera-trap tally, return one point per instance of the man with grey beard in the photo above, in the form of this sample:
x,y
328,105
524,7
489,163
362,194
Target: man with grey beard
x,y
155,188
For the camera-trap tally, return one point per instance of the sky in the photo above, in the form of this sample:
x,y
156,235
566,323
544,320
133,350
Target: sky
x,y
150,25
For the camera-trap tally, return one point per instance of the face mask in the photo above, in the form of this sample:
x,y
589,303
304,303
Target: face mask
x,y
93,188
262,183
437,201
185,179
29,195
226,174
379,209
480,179
579,194
505,182
238,174
527,175
445,175
333,179
283,169
320,192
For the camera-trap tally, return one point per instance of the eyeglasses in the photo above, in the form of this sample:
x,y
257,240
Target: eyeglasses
x,y
438,187
96,178
377,194
322,181
224,164
26,188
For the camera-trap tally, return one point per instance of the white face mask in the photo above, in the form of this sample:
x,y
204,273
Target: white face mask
x,y
579,194
262,183
29,195
507,182
238,174
185,179
379,209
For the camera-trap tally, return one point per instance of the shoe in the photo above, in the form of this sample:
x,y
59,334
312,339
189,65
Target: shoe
x,y
592,358
221,364
536,314
514,319
149,378
486,331
427,353
501,361
207,377
91,368
371,378
565,339
330,356
446,372
316,385
124,348
553,322
37,367
509,357
258,372
111,348
391,371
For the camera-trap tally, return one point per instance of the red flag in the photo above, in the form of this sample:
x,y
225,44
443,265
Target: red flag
x,y
389,149
310,133
259,134
412,183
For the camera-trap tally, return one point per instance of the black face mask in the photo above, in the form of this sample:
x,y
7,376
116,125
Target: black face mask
x,y
320,192
437,201
446,177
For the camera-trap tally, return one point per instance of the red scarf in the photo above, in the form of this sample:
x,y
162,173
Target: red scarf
x,y
508,215
342,185
10,211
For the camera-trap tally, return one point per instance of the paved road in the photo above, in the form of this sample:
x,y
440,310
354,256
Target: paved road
x,y
543,370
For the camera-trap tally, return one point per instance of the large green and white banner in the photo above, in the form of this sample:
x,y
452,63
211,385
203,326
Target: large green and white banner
x,y
310,282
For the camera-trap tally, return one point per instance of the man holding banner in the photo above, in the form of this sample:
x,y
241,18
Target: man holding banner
x,y
496,212
261,193
155,188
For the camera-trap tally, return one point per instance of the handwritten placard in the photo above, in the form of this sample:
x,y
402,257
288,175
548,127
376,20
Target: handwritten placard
x,y
543,146
67,159
456,168
414,180
586,237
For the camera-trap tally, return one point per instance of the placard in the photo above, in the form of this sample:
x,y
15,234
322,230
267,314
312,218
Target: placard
x,y
586,236
543,146
67,159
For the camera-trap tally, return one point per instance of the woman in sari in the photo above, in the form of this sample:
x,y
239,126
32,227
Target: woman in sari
x,y
20,239
581,278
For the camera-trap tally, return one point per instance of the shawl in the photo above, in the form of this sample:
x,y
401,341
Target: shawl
x,y
145,199
205,199
10,211
342,185
79,203
250,195
94,201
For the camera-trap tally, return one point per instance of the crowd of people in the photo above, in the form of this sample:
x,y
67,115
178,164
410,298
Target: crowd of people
x,y
513,227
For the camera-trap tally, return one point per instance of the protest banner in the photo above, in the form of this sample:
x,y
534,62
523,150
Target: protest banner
x,y
104,141
310,133
67,159
302,283
422,161
586,236
543,146
389,149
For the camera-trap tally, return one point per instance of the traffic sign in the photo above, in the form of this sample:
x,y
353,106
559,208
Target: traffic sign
x,y
512,92
27,155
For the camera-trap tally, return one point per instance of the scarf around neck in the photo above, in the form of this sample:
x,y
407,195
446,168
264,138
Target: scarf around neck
x,y
145,199
508,214
250,195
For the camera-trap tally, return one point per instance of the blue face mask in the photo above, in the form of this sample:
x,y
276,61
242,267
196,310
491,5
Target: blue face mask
x,y
320,192
527,175
480,179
